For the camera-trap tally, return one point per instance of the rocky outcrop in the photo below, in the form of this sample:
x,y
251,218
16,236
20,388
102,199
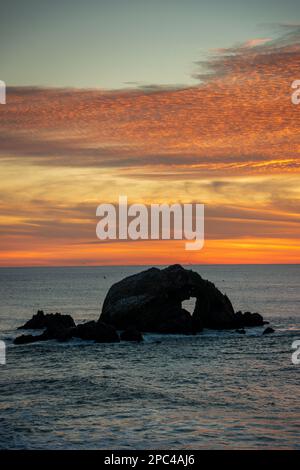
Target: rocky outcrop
x,y
63,328
152,301
60,334
50,320
248,319
97,331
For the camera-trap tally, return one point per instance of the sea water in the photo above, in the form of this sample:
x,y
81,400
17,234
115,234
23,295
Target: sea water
x,y
215,390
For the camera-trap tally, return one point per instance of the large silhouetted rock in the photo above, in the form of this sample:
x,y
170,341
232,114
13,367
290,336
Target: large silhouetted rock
x,y
151,301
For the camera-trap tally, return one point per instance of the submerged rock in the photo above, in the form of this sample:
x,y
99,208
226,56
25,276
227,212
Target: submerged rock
x,y
268,330
152,301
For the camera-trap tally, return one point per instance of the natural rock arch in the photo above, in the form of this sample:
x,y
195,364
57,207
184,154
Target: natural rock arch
x,y
151,301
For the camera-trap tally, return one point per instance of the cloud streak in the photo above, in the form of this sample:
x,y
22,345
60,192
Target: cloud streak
x,y
238,118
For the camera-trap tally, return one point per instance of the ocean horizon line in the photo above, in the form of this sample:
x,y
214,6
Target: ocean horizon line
x,y
146,265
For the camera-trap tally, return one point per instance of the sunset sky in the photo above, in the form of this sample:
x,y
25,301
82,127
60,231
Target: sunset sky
x,y
162,101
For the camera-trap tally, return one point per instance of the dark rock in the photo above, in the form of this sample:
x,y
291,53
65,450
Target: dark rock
x,y
96,331
252,319
26,339
248,319
59,333
152,301
106,333
40,320
268,330
85,331
131,334
62,328
177,321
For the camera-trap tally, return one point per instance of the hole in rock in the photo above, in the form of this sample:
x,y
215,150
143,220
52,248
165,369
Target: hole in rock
x,y
189,304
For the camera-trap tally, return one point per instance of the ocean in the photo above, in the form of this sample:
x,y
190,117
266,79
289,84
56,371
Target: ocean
x,y
215,390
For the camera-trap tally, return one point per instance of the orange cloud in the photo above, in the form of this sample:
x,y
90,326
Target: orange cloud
x,y
231,142
240,119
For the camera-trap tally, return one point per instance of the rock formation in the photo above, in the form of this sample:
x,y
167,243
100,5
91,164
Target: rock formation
x,y
40,320
58,329
152,301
